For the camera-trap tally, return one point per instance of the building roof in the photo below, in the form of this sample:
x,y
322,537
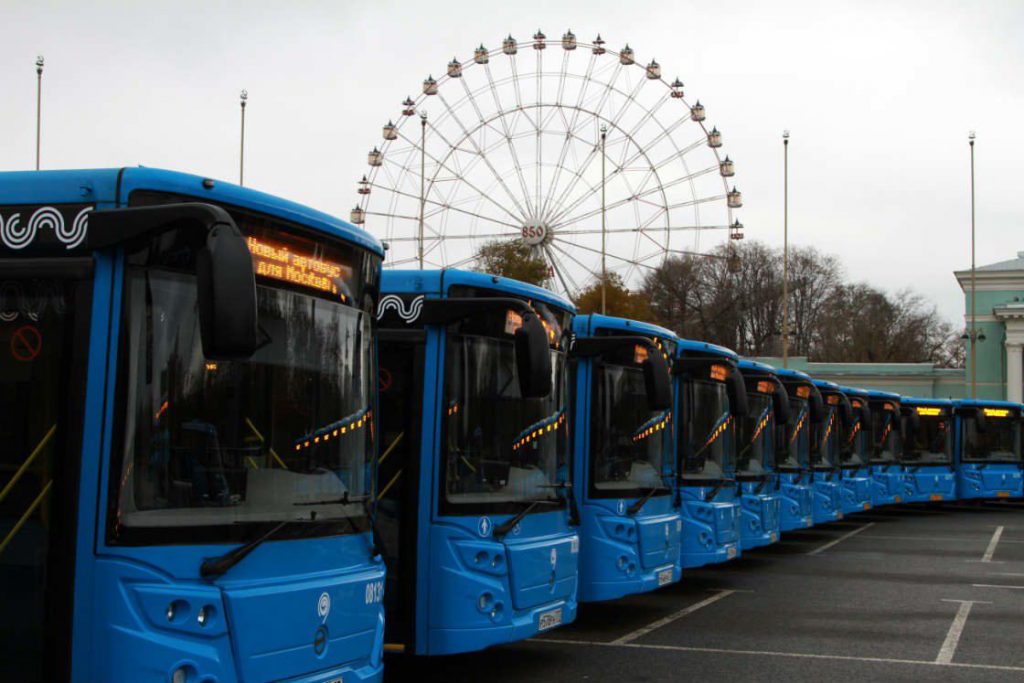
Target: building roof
x,y
1012,264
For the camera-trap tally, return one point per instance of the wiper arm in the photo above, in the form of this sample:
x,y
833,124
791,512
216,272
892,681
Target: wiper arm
x,y
566,487
715,489
502,529
636,507
376,546
217,566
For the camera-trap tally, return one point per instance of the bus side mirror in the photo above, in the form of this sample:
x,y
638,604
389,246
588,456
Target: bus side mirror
x,y
780,402
845,413
980,421
657,381
226,289
816,406
225,280
736,389
533,358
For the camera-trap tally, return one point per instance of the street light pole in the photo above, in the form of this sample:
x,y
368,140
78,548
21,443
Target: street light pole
x,y
604,266
785,248
39,104
423,176
241,150
974,326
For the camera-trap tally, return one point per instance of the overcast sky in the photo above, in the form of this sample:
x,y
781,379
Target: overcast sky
x,y
879,97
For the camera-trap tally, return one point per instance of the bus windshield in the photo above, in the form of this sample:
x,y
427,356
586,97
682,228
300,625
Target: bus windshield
x,y
825,447
754,455
501,448
628,439
795,444
932,441
854,449
708,449
998,442
885,432
217,451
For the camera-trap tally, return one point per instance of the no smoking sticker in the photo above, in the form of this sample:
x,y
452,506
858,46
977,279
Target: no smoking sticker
x,y
26,343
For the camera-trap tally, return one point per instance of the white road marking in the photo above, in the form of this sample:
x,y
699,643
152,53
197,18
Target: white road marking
x,y
992,585
956,629
1007,574
841,539
991,550
770,653
641,632
940,539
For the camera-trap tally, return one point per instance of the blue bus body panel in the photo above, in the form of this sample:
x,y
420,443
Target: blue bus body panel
x,y
976,480
797,507
136,608
856,490
930,483
711,531
760,515
620,554
827,505
474,591
887,479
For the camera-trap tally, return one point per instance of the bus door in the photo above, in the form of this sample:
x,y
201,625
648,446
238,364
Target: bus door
x,y
398,474
44,343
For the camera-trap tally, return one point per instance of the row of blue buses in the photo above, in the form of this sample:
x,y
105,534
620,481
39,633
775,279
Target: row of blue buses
x,y
237,449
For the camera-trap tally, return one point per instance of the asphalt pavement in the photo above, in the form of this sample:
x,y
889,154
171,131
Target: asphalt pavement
x,y
894,594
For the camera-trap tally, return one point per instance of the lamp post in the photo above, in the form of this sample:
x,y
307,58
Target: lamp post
x,y
604,266
423,176
242,98
785,248
39,104
974,335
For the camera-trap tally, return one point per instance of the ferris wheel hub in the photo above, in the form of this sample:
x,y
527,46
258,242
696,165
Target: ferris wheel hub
x,y
536,234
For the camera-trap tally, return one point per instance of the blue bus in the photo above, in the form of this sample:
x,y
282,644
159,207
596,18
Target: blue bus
x,y
987,449
927,457
710,396
886,447
825,446
623,467
813,423
476,514
176,504
793,453
854,452
756,433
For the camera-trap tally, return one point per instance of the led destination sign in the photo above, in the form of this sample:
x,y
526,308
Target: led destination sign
x,y
279,262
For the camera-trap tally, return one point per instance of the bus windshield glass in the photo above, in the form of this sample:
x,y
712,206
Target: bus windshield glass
x,y
825,445
708,449
794,448
932,442
218,451
854,442
754,455
501,449
628,438
885,433
999,441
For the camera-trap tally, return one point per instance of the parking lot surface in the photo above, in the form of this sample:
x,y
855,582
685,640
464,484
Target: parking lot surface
x,y
896,594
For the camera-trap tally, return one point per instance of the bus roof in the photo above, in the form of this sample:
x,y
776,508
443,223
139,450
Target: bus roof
x,y
436,283
921,401
590,323
790,374
756,366
689,346
854,391
986,403
825,384
112,187
883,395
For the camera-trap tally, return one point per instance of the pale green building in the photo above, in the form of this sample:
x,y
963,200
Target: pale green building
x,y
999,315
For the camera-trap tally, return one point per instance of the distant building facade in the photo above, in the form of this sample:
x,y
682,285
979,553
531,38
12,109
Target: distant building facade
x,y
999,306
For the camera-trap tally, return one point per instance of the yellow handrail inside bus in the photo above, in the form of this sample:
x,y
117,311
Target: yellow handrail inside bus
x,y
262,440
28,461
391,483
390,448
24,517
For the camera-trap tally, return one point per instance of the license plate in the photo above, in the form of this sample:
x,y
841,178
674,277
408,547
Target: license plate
x,y
867,506
774,537
731,552
1002,494
550,619
664,577
935,496
898,499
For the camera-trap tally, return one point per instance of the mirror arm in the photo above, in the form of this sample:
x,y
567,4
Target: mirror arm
x,y
446,311
111,227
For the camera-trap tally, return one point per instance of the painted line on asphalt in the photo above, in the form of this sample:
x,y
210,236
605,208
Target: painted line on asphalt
x,y
770,653
936,539
654,625
842,538
991,550
956,629
992,585
1007,574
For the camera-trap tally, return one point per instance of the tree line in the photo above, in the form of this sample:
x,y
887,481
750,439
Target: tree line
x,y
733,297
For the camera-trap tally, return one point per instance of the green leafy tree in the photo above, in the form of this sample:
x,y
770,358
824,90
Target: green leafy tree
x,y
512,259
619,301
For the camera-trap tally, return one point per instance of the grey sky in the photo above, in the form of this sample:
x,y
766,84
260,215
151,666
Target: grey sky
x,y
879,97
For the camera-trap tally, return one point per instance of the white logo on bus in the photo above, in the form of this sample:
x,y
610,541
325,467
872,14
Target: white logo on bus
x,y
323,606
16,236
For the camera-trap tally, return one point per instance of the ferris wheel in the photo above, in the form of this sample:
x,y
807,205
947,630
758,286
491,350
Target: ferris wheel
x,y
591,160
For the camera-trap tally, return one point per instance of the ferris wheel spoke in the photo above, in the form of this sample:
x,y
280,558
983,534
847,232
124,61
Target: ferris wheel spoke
x,y
565,252
469,137
450,236
504,124
450,207
592,250
561,272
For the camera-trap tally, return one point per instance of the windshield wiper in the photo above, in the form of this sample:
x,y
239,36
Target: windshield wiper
x,y
217,566
719,485
376,546
566,487
502,529
636,507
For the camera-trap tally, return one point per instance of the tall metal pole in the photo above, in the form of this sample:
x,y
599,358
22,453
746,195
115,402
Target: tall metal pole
x,y
974,327
241,150
423,176
604,266
39,105
785,248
